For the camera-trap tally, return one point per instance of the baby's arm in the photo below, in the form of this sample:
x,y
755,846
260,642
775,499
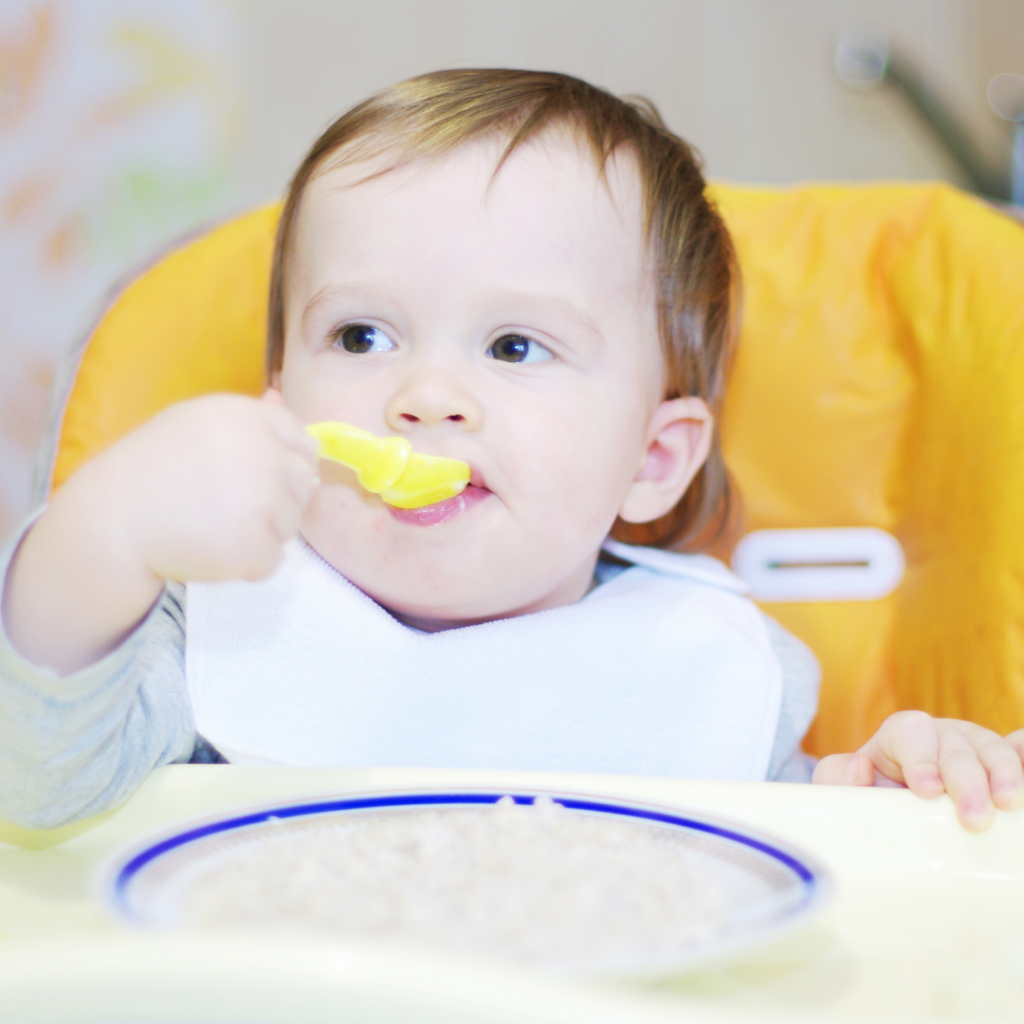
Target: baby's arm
x,y
976,766
208,490
92,686
73,746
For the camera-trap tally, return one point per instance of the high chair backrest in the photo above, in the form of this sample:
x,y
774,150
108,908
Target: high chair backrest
x,y
879,383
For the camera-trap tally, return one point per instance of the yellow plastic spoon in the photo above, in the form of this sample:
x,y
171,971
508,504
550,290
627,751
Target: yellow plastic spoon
x,y
389,467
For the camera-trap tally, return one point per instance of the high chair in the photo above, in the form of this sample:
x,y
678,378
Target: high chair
x,y
879,383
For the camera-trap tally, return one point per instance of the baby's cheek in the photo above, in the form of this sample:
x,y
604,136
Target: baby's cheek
x,y
597,480
328,503
580,512
328,519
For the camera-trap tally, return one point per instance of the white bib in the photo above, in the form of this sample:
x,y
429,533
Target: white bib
x,y
663,670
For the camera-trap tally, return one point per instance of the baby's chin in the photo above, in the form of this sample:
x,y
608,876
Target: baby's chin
x,y
420,604
435,597
431,588
475,568
431,623
474,603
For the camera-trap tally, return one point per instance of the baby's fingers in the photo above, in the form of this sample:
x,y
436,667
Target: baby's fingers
x,y
1016,741
1002,760
906,749
844,770
300,480
289,429
966,780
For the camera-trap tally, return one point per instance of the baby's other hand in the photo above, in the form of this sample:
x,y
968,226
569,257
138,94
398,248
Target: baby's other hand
x,y
979,769
227,479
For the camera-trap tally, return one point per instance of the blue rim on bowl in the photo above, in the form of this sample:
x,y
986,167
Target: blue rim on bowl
x,y
810,884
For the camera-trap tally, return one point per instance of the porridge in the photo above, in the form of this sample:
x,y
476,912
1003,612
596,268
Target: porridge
x,y
537,884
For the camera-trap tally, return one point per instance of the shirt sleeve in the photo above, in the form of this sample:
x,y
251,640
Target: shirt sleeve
x,y
801,678
76,745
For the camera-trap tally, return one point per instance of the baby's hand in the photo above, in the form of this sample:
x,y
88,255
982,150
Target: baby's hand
x,y
208,490
975,766
218,486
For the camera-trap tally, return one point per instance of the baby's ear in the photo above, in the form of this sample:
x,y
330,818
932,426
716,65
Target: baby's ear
x,y
678,441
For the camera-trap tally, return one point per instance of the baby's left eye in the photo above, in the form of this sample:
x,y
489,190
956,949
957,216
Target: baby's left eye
x,y
514,348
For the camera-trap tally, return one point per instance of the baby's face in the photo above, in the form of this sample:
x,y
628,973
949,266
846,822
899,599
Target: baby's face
x,y
509,323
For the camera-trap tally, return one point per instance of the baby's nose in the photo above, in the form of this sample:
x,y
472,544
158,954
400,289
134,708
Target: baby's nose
x,y
431,399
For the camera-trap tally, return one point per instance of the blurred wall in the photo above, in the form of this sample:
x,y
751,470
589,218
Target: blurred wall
x,y
126,122
751,82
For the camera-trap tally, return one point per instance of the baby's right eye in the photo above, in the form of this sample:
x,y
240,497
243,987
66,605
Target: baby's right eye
x,y
360,338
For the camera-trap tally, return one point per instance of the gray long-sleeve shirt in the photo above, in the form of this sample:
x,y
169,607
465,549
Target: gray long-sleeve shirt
x,y
74,746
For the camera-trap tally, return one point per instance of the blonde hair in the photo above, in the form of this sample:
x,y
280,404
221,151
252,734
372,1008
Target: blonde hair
x,y
694,262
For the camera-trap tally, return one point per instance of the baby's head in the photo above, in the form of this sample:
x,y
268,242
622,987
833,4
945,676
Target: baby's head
x,y
520,271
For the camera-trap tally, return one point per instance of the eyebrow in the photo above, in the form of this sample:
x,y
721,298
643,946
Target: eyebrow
x,y
549,304
328,294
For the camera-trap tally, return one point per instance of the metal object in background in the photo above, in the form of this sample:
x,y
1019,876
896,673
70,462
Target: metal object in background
x,y
1006,98
865,60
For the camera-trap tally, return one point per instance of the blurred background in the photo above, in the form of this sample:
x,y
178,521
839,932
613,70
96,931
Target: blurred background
x,y
125,123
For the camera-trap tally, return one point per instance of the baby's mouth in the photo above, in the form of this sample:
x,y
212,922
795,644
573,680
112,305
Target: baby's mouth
x,y
441,511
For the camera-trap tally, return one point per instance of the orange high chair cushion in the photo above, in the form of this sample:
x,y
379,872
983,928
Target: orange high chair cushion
x,y
879,382
194,322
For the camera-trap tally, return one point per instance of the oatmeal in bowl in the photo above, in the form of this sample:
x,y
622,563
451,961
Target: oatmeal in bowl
x,y
557,881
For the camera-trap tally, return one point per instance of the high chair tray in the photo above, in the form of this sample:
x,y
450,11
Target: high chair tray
x,y
927,921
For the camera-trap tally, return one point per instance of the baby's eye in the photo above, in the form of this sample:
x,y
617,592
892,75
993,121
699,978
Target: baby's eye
x,y
360,338
514,348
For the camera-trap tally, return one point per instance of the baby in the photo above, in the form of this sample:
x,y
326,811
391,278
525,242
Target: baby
x,y
512,269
